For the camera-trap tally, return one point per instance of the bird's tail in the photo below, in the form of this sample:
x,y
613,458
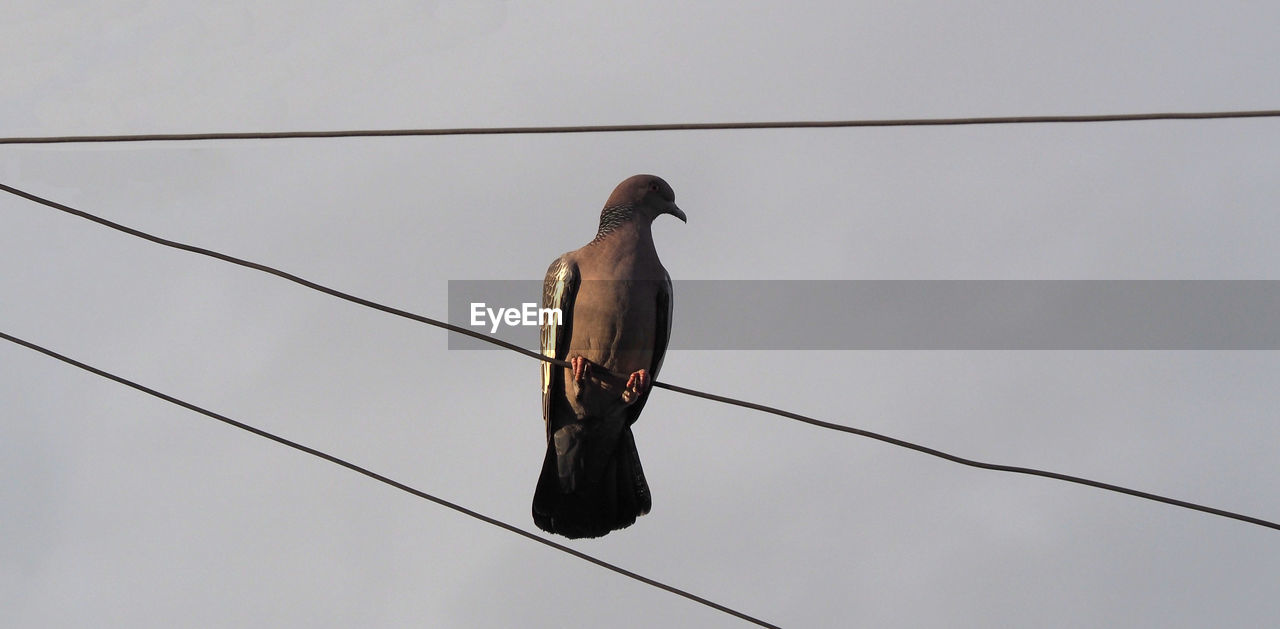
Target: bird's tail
x,y
580,497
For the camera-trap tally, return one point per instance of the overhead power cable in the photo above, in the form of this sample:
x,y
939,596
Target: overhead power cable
x,y
383,479
670,387
615,128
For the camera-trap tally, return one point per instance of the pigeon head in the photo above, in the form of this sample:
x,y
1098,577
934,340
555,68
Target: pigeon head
x,y
646,195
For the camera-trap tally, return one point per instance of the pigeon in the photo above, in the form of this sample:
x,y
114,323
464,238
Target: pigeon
x,y
614,297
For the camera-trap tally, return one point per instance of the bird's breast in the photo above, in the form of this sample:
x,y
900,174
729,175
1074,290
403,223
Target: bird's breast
x,y
615,323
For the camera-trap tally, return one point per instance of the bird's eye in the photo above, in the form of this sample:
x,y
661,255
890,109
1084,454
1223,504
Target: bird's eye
x,y
653,186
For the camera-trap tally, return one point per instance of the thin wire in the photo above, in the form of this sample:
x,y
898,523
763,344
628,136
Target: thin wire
x,y
278,273
383,479
693,126
970,462
662,385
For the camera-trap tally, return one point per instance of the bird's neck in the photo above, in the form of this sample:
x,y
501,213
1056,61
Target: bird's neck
x,y
628,231
614,217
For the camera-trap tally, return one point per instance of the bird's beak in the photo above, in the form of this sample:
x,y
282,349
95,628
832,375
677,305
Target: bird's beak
x,y
677,212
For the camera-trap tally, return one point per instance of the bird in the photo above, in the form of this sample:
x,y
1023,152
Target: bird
x,y
614,297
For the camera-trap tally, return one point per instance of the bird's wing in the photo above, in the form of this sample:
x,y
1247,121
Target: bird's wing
x,y
558,291
660,339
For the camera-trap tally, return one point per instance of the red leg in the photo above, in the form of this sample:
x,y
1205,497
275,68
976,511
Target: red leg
x,y
637,385
581,368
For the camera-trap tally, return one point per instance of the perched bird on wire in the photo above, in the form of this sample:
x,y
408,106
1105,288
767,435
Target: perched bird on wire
x,y
615,302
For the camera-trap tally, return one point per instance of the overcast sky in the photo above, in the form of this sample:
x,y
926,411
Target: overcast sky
x,y
118,509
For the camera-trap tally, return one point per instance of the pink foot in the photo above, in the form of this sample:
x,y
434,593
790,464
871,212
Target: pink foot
x,y
581,368
637,385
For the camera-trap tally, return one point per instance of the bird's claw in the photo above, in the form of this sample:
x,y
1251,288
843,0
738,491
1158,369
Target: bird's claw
x,y
637,385
581,368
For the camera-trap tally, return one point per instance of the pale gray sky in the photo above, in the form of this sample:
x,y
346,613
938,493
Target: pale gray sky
x,y
118,509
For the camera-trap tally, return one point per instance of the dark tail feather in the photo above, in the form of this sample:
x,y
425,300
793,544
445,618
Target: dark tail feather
x,y
593,507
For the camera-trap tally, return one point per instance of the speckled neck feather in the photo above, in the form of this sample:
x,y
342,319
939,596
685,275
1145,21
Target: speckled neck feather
x,y
613,217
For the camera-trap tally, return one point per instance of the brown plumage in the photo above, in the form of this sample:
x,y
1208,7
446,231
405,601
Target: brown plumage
x,y
615,298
